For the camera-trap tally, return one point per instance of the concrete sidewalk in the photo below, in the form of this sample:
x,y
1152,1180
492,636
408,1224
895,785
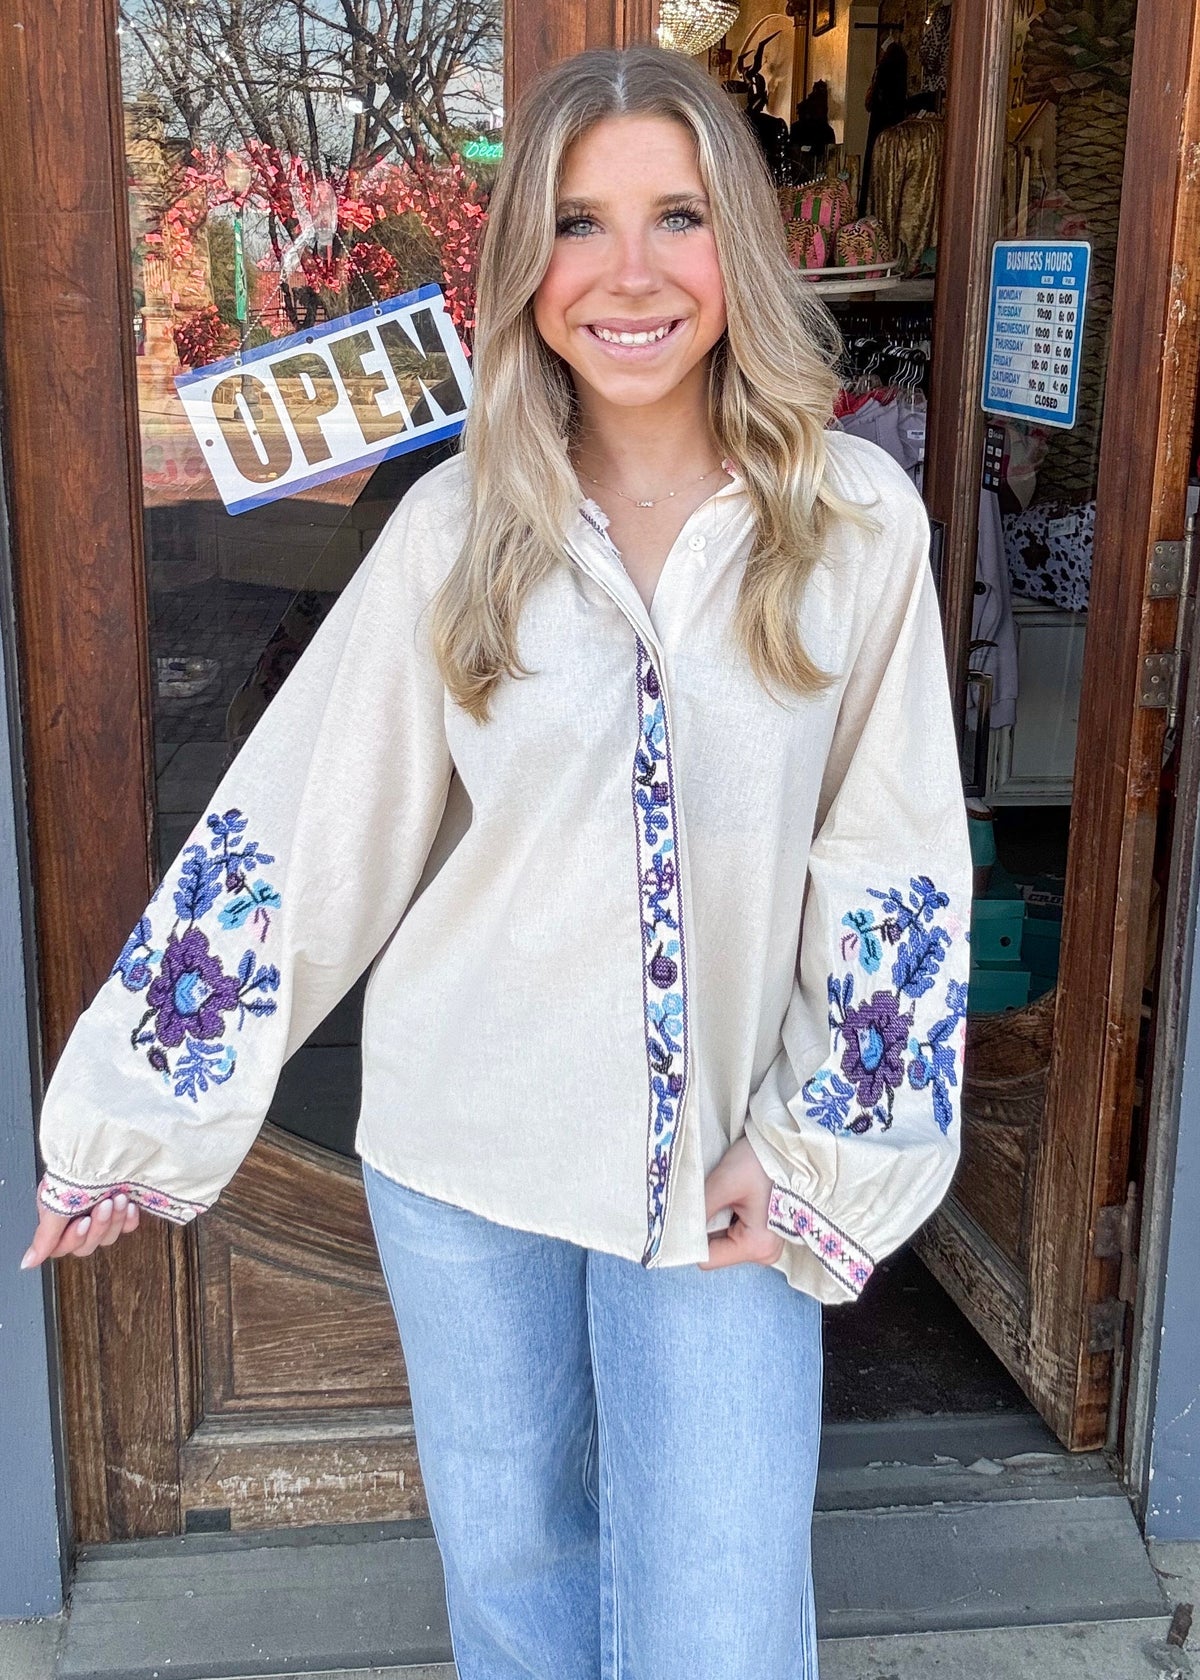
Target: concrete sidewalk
x,y
1117,1650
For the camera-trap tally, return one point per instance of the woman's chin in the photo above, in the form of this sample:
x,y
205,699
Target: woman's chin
x,y
633,389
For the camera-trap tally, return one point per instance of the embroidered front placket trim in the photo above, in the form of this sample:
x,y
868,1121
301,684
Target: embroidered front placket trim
x,y
665,998
664,971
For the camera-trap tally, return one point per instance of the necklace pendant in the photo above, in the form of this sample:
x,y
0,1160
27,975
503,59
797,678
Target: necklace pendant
x,y
645,504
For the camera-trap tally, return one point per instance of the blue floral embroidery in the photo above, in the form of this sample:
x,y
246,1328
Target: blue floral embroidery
x,y
191,1000
664,980
879,1049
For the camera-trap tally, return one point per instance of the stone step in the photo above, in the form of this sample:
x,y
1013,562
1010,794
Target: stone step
x,y
320,1601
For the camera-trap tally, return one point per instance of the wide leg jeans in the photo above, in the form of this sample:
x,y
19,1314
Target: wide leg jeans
x,y
620,1462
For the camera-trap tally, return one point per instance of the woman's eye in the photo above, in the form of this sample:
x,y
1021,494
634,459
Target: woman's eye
x,y
682,218
574,227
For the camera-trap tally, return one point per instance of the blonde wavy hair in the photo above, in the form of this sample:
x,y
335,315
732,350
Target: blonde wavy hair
x,y
770,393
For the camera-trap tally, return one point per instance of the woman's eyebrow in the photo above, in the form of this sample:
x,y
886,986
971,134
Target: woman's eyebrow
x,y
580,206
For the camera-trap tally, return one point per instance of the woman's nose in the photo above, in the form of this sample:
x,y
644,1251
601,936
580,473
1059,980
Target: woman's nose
x,y
634,271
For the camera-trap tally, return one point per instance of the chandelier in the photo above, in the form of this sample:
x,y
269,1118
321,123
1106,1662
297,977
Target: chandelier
x,y
689,26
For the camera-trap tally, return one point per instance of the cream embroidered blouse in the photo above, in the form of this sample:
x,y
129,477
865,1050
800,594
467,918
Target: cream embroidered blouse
x,y
644,908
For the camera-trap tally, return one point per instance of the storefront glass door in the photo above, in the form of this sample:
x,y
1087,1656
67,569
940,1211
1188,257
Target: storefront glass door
x,y
958,184
293,170
1066,345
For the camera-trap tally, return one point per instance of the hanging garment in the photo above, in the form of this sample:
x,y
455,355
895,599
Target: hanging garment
x,y
905,183
1049,550
899,427
935,50
992,614
585,915
886,99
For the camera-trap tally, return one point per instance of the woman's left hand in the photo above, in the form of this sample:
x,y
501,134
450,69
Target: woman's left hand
x,y
739,1181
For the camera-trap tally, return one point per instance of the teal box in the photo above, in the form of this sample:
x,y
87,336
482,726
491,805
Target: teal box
x,y
995,987
1041,941
996,927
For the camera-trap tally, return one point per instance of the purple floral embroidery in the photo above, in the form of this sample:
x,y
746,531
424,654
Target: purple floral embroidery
x,y
192,1002
191,991
664,982
876,1036
879,1050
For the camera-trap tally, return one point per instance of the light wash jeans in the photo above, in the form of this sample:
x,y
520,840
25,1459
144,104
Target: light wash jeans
x,y
620,1463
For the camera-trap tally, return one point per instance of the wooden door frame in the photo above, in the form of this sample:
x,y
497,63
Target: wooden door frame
x,y
1154,357
538,35
73,471
127,1319
970,206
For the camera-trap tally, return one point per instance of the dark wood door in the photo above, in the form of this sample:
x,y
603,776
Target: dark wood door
x,y
1030,1241
244,1370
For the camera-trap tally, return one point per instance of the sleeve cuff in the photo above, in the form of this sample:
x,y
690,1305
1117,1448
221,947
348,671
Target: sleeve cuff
x,y
63,1195
796,1220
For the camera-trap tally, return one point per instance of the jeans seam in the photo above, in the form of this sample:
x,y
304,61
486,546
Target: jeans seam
x,y
808,1630
604,1481
592,1441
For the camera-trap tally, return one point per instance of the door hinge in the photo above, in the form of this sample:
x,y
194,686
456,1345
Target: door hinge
x,y
1169,580
1166,570
1113,1239
1160,672
1113,1232
1106,1326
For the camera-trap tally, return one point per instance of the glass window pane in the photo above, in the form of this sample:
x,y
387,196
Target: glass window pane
x,y
289,163
1062,166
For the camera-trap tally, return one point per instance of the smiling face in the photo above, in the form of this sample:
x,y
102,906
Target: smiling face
x,y
632,298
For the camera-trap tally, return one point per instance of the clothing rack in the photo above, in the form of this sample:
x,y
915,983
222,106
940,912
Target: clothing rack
x,y
878,355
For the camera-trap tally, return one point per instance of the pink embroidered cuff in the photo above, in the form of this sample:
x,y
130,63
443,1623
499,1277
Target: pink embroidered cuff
x,y
791,1217
60,1195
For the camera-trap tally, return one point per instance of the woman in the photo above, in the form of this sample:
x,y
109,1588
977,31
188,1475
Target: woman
x,y
633,700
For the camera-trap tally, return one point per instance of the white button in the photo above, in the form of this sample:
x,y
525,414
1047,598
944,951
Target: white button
x,y
695,542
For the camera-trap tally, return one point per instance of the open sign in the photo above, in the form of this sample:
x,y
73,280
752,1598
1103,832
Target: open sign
x,y
343,395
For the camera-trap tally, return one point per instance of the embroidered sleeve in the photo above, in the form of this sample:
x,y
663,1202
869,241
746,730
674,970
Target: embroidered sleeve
x,y
283,893
857,1119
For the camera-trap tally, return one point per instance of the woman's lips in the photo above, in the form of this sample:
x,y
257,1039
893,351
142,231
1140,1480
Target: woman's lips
x,y
633,352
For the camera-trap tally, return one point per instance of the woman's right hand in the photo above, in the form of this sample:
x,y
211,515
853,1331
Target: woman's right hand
x,y
61,1235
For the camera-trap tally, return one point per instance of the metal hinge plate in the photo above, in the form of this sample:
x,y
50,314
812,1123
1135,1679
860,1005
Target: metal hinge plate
x,y
1112,1226
1166,570
1112,1236
1106,1326
1158,680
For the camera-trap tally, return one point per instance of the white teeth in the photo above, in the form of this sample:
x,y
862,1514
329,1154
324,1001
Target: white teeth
x,y
632,337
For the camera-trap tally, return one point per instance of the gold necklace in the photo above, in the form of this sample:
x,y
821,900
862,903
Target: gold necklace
x,y
652,501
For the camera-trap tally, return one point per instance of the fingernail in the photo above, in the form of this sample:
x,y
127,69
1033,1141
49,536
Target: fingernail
x,y
103,1209
28,1259
84,1223
120,1203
